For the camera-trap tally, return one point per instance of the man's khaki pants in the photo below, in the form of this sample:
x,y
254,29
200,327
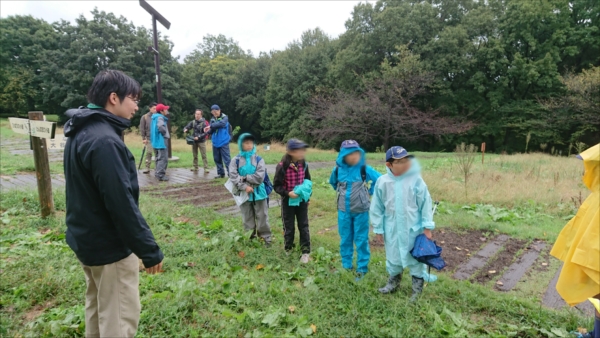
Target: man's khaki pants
x,y
149,154
202,147
112,299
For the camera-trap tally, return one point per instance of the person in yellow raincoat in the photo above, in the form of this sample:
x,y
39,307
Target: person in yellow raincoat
x,y
578,244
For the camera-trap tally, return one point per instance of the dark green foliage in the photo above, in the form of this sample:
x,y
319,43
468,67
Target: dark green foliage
x,y
505,65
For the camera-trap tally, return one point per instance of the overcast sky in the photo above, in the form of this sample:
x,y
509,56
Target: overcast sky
x,y
256,25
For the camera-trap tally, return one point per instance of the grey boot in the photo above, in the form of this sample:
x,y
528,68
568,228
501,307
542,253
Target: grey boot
x,y
392,284
417,288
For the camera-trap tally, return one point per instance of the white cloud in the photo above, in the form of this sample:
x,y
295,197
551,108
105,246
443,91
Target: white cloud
x,y
256,25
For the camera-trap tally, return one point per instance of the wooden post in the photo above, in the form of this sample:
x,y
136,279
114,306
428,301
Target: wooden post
x,y
482,152
42,169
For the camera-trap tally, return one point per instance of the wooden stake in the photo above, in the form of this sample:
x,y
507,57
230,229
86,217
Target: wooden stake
x,y
42,169
482,151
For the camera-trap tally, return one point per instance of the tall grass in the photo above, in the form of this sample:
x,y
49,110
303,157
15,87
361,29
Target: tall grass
x,y
509,180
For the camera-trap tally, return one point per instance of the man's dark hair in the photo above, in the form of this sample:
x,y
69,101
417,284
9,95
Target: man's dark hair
x,y
152,104
112,81
199,110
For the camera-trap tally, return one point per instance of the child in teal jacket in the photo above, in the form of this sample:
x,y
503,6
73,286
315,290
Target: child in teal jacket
x,y
400,211
351,178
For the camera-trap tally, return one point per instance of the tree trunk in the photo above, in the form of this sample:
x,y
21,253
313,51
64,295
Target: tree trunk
x,y
386,140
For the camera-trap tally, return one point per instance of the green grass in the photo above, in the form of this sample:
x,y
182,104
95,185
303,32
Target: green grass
x,y
210,289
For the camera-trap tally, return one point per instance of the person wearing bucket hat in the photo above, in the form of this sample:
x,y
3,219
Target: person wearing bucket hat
x,y
354,181
578,244
401,210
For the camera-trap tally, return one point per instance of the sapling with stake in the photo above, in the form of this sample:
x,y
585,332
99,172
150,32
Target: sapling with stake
x,y
465,157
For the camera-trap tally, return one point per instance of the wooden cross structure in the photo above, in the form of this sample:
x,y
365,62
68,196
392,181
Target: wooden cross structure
x,y
156,16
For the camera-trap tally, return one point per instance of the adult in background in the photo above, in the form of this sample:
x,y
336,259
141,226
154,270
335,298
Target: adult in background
x,y
145,123
105,227
158,133
219,129
197,127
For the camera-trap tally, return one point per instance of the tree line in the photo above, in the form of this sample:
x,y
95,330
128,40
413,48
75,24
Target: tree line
x,y
427,74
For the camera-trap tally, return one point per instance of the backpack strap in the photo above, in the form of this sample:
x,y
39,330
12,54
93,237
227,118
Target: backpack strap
x,y
237,161
363,173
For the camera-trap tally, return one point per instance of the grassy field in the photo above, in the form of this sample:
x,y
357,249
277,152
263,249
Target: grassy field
x,y
218,283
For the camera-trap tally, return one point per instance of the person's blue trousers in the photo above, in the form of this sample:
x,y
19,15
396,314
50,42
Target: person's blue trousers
x,y
221,155
354,230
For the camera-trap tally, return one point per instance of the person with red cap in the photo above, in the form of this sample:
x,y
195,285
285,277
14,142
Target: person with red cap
x,y
158,133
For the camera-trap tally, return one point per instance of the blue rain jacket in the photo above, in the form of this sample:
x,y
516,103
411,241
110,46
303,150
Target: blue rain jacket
x,y
304,191
353,193
401,209
250,169
219,129
156,137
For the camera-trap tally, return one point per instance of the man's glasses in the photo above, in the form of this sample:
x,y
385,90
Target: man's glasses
x,y
137,102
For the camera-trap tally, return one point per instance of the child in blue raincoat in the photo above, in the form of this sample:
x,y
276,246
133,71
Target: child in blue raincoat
x,y
350,178
401,210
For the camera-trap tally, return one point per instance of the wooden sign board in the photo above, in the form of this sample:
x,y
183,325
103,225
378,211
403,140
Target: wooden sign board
x,y
19,126
41,129
56,143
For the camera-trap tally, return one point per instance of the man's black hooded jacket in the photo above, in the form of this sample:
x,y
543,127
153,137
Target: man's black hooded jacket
x,y
104,223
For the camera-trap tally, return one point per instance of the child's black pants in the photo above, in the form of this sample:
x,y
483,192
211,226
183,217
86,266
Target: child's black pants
x,y
290,215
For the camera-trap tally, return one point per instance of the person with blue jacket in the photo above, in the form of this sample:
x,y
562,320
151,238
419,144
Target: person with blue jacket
x,y
351,178
401,210
247,173
158,133
219,130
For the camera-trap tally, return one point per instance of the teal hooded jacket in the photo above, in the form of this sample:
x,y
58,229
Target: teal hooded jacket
x,y
245,170
353,193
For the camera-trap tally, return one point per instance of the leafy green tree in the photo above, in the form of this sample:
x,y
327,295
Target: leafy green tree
x,y
23,40
213,46
106,41
220,72
295,74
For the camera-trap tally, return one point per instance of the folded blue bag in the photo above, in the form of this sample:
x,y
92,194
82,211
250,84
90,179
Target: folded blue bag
x,y
428,252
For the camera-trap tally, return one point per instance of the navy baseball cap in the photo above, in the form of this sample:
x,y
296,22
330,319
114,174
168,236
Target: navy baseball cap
x,y
215,107
295,143
349,144
396,153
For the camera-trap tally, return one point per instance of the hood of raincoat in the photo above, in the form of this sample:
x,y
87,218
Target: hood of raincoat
x,y
415,169
79,117
591,163
243,153
347,151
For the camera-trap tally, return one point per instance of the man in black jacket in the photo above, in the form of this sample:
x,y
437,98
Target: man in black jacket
x,y
197,126
105,228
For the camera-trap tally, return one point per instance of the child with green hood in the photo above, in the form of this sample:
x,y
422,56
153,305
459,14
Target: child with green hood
x,y
247,173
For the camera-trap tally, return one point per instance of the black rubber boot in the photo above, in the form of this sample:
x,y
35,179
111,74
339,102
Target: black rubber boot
x,y
392,284
417,288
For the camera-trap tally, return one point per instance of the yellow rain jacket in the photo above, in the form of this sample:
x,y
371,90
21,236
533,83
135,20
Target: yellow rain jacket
x,y
578,244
